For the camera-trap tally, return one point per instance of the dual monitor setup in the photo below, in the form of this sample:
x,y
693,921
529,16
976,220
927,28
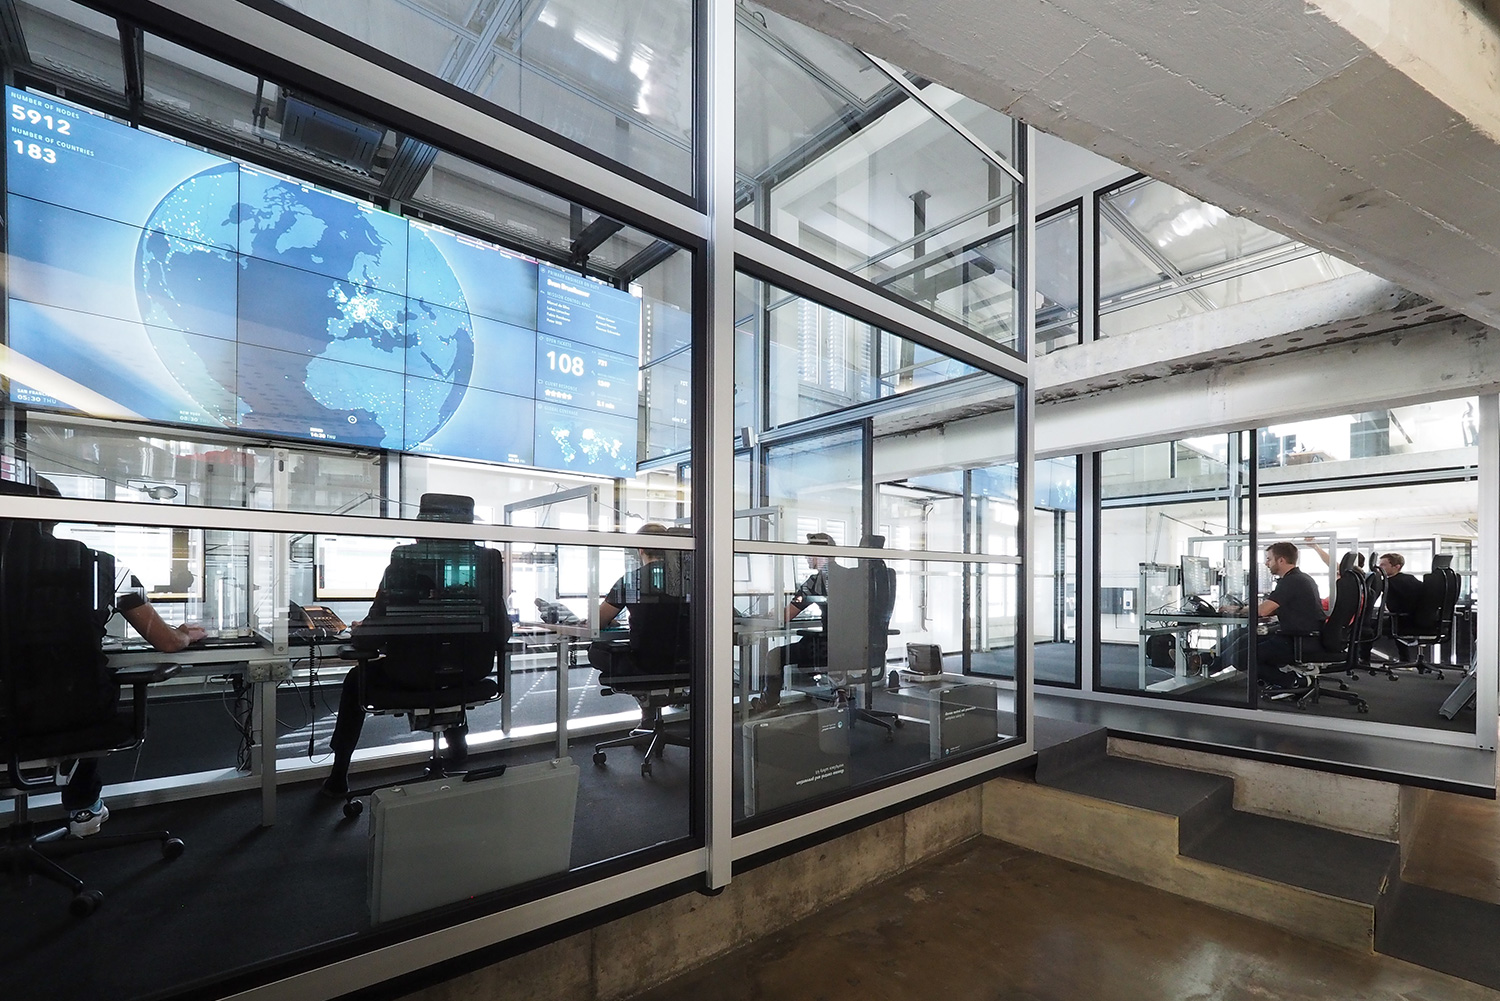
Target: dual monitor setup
x,y
150,280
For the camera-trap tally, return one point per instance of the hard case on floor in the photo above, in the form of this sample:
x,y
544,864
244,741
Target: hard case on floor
x,y
441,841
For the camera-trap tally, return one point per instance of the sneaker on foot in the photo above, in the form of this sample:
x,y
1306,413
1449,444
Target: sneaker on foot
x,y
82,823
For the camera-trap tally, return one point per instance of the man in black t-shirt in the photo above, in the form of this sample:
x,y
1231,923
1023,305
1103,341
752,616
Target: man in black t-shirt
x,y
656,595
1298,609
1403,592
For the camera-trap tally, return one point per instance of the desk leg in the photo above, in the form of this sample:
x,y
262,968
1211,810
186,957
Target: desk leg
x,y
264,722
563,645
505,692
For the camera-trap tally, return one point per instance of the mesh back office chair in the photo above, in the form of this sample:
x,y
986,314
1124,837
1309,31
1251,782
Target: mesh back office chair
x,y
59,699
430,645
654,664
1332,647
1430,624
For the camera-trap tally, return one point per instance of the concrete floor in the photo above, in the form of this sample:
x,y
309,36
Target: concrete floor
x,y
992,922
1458,847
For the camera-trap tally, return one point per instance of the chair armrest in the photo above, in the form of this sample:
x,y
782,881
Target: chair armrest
x,y
348,652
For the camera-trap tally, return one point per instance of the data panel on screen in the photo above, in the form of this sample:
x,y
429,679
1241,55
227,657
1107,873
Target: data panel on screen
x,y
154,281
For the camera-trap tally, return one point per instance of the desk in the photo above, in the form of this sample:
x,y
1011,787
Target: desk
x,y
262,670
565,635
1180,626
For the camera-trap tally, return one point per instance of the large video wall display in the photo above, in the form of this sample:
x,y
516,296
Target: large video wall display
x,y
152,280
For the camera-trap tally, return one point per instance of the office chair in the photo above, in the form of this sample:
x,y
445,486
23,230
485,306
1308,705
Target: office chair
x,y
654,664
1429,625
861,600
429,648
1377,626
59,699
1336,645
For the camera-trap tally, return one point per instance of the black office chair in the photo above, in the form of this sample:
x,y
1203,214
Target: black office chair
x,y
653,664
1332,647
59,699
1429,625
1370,654
429,648
861,600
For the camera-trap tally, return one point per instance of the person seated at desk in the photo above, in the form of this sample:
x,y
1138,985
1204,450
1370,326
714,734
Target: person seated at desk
x,y
655,593
125,594
810,649
1298,609
489,565
1403,592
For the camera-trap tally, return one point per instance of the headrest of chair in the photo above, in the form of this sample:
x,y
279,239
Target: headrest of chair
x,y
1349,561
872,542
446,507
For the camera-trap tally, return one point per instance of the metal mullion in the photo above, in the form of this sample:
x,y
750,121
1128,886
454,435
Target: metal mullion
x,y
713,476
869,553
900,80
1204,279
394,96
101,512
764,260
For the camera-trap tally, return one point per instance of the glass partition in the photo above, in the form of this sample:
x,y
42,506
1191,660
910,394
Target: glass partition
x,y
324,355
865,170
561,653
618,81
1164,255
1054,563
1177,580
1059,278
876,573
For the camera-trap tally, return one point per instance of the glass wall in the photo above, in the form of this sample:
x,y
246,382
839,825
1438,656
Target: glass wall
x,y
864,168
1054,631
1164,255
1059,278
617,81
378,460
876,572
1175,570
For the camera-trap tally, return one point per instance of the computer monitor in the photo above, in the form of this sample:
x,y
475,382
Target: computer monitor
x,y
1197,576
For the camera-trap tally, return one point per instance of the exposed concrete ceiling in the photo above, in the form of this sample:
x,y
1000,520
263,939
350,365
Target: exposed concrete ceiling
x,y
1367,128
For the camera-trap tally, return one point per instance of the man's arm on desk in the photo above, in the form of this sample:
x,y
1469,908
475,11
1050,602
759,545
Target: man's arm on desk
x,y
146,621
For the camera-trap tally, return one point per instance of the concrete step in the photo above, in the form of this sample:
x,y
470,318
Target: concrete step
x,y
1329,862
1064,747
1198,801
1442,931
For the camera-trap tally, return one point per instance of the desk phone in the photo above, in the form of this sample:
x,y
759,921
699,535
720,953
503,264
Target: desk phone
x,y
314,620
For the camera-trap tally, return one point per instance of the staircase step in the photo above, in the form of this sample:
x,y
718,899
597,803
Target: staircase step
x,y
1442,931
1339,865
1196,799
1064,747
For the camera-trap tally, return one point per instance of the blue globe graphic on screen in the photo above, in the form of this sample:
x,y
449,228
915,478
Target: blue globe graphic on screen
x,y
281,308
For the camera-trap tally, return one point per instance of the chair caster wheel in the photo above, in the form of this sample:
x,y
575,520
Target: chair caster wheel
x,y
353,808
599,758
172,848
86,903
890,736
1362,707
645,769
